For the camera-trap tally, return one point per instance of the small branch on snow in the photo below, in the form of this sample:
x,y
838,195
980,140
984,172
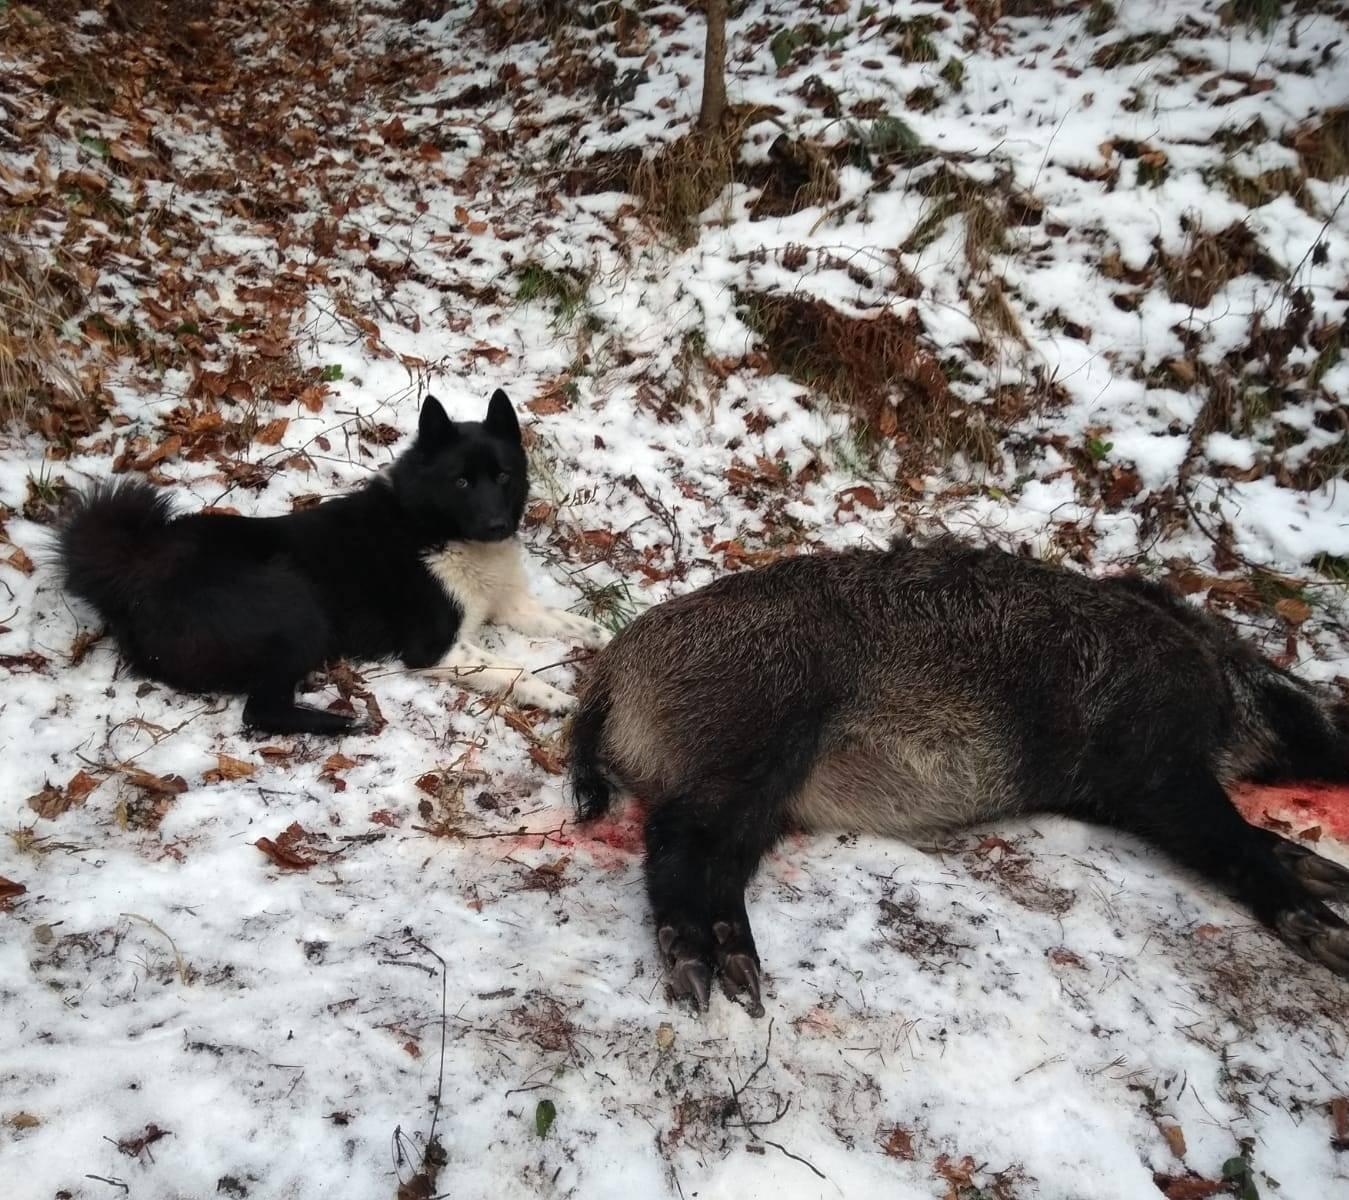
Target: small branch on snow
x,y
749,1126
444,1020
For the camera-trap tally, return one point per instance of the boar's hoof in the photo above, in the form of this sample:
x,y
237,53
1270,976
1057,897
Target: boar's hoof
x,y
1318,875
739,972
689,972
1316,933
739,964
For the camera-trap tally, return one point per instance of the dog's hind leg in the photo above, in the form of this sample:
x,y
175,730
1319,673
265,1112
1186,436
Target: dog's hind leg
x,y
526,615
1189,816
479,670
273,710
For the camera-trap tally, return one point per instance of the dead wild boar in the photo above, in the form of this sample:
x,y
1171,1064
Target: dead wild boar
x,y
922,688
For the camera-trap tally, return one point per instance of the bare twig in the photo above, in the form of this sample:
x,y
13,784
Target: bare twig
x,y
184,974
749,1125
444,1009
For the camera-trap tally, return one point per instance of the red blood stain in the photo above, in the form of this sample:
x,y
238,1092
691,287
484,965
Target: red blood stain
x,y
612,841
1304,806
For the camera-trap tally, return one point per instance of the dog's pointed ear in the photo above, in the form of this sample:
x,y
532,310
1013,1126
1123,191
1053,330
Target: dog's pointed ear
x,y
501,420
434,428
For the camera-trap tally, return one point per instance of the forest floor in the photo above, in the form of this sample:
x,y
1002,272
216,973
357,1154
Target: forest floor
x,y
1064,277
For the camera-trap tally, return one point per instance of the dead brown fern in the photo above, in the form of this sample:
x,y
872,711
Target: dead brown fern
x,y
877,367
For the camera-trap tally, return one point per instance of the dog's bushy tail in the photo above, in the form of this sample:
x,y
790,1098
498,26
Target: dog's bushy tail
x,y
107,539
591,790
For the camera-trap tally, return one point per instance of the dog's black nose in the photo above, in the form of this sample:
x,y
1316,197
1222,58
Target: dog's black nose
x,y
498,528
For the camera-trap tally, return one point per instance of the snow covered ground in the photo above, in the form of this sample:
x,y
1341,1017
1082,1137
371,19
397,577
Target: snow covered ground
x,y
282,967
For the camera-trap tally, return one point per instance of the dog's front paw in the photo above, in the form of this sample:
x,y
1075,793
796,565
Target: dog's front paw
x,y
531,690
591,634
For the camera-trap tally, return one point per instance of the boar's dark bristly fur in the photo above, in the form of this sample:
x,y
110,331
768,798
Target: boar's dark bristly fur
x,y
915,690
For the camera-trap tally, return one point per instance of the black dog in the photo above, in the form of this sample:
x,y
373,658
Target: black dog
x,y
407,567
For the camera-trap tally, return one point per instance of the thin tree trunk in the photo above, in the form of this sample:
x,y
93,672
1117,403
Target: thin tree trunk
x,y
714,68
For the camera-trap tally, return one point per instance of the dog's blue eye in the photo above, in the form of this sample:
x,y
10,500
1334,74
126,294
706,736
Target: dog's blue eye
x,y
461,482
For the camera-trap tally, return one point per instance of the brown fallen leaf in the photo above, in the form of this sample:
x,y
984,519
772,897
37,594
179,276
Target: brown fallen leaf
x,y
547,405
1175,1138
432,783
496,355
958,1174
29,661
1188,1187
229,768
898,1143
80,785
50,802
1293,610
161,453
601,538
550,760
285,850
863,495
1339,1121
1124,484
84,641
134,1147
22,1120
286,859
9,889
20,561
272,433
158,785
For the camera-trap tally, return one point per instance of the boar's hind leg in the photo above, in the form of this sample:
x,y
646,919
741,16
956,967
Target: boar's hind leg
x,y
1192,819
700,856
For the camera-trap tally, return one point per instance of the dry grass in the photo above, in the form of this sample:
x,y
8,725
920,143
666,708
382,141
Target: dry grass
x,y
877,367
1210,261
33,368
1324,148
1256,190
676,185
981,207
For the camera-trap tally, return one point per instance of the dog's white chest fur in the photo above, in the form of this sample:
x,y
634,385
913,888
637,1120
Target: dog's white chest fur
x,y
486,579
